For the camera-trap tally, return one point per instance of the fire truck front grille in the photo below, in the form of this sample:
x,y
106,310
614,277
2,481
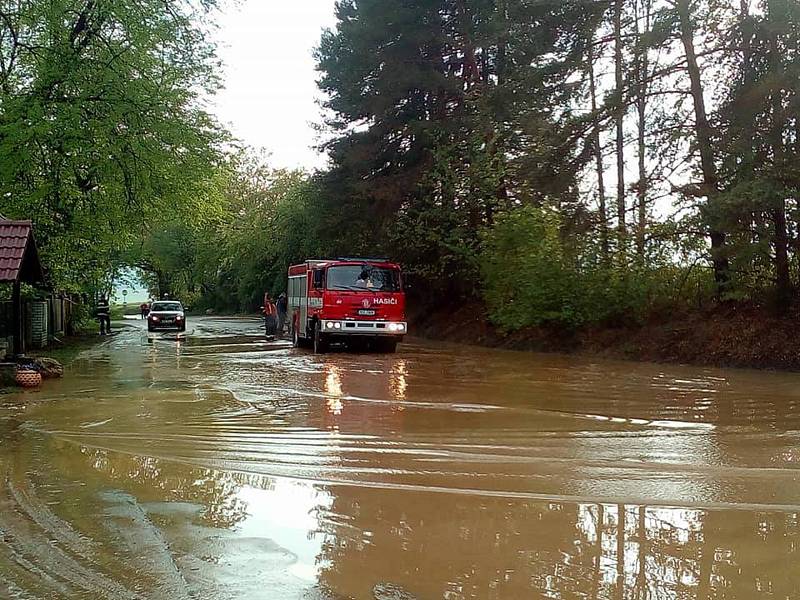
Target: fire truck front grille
x,y
365,325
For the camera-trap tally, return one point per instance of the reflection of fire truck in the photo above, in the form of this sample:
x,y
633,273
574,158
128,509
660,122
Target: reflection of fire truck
x,y
347,300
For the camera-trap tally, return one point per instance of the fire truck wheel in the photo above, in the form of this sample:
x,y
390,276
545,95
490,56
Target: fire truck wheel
x,y
320,340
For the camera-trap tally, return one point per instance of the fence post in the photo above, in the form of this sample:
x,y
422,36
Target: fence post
x,y
16,317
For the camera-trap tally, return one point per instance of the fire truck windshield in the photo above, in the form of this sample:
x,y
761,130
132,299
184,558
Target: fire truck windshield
x,y
363,277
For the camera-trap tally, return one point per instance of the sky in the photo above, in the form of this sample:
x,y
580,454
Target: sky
x,y
270,95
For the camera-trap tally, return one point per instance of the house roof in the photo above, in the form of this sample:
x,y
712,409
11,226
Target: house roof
x,y
19,258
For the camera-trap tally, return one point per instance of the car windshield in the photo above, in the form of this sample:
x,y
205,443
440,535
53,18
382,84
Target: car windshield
x,y
167,307
363,277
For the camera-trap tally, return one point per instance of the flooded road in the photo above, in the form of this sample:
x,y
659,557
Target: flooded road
x,y
222,466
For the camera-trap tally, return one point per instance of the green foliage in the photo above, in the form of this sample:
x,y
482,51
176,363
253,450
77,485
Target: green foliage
x,y
101,128
526,276
435,124
535,275
264,220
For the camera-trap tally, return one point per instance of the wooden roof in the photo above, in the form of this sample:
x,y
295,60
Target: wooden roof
x,y
19,258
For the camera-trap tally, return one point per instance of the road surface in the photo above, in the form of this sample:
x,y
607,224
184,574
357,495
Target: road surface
x,y
220,466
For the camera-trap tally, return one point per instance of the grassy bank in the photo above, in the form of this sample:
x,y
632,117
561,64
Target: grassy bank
x,y
731,335
68,348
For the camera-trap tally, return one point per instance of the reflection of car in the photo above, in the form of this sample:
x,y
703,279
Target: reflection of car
x,y
166,315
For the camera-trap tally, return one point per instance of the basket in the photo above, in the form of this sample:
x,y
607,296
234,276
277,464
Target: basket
x,y
28,379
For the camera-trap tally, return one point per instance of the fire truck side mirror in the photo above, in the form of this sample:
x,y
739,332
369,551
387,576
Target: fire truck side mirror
x,y
317,282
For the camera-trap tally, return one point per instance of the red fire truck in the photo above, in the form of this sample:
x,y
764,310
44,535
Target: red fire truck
x,y
347,300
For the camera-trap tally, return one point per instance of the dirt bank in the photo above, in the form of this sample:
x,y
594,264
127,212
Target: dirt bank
x,y
735,335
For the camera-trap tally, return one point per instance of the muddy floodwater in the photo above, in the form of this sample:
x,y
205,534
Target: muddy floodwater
x,y
222,466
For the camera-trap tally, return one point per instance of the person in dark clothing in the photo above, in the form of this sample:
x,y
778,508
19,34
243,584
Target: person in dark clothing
x,y
144,308
104,315
282,305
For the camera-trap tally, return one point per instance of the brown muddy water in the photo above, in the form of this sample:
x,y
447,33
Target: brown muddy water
x,y
222,466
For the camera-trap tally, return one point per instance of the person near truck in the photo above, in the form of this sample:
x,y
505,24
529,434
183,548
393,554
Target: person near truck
x,y
282,305
270,315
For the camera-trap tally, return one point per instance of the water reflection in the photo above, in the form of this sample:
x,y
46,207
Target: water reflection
x,y
333,389
398,381
493,548
246,506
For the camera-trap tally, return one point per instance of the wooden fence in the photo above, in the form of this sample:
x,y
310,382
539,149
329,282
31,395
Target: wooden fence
x,y
42,321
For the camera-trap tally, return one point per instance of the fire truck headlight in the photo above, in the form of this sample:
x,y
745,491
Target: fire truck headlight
x,y
329,325
397,327
337,325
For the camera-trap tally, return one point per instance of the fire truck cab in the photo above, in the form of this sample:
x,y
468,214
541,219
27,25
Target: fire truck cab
x,y
346,300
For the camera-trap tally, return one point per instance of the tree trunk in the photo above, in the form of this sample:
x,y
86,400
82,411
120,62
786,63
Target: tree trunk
x,y
783,281
642,69
711,212
619,119
598,153
499,153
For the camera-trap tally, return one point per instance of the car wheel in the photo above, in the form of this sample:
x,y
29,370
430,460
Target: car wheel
x,y
150,328
320,340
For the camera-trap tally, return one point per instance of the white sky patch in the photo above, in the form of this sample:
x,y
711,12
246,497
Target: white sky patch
x,y
270,96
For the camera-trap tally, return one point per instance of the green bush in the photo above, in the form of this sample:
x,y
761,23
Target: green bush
x,y
532,277
525,276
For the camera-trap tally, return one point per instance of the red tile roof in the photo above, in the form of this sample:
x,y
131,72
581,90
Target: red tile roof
x,y
14,237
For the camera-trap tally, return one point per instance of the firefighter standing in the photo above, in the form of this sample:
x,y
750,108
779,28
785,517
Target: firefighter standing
x,y
282,305
270,315
104,315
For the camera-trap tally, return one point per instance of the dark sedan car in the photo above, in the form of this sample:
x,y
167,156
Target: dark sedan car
x,y
166,315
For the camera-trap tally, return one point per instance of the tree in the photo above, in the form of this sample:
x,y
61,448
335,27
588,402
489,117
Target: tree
x,y
434,123
642,74
101,128
619,120
704,135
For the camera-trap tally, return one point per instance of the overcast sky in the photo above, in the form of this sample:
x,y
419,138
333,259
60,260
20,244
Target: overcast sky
x,y
270,94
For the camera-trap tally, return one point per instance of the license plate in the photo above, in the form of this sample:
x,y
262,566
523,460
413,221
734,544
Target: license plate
x,y
366,313
169,321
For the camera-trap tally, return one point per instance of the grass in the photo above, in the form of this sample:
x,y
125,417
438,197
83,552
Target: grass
x,y
69,348
120,310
